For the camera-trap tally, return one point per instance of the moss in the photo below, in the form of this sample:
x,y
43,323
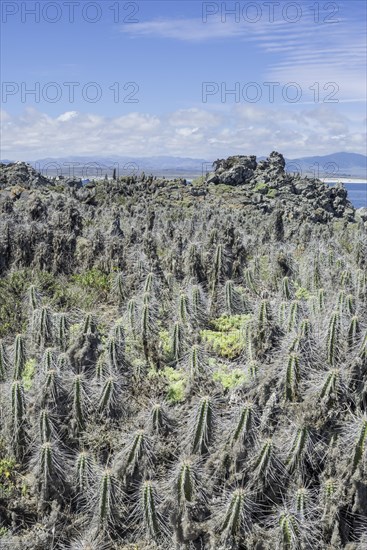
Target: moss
x,y
229,378
226,340
176,381
164,340
302,293
93,279
28,374
260,187
272,193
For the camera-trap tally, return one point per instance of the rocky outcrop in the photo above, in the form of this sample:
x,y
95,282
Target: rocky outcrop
x,y
268,183
21,174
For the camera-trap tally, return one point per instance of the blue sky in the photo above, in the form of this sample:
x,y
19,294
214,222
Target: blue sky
x,y
155,78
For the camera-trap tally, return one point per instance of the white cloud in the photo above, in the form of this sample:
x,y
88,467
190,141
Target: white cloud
x,y
246,129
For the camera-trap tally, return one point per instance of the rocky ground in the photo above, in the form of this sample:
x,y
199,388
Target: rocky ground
x,y
182,366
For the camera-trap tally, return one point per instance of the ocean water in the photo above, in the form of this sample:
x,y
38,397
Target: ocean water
x,y
357,194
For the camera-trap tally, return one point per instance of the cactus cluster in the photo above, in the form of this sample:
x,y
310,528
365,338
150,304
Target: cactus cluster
x,y
214,398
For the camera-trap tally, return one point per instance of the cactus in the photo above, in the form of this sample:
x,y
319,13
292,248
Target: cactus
x,y
293,315
286,291
237,516
264,315
177,340
51,387
360,442
89,325
187,482
353,331
18,412
183,309
158,419
42,326
233,300
333,339
109,397
245,425
107,498
45,426
332,385
152,520
132,316
19,356
198,304
34,298
264,464
114,353
203,424
118,287
4,362
138,446
289,530
83,472
299,447
292,377
79,399
50,467
250,281
62,331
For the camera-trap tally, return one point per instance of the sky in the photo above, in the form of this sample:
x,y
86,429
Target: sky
x,y
182,78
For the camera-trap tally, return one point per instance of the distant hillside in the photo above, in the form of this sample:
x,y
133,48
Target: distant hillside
x,y
336,164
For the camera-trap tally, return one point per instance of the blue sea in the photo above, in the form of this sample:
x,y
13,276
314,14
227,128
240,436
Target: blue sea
x,y
357,194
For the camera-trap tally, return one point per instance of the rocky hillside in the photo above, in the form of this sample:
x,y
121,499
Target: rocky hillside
x,y
182,366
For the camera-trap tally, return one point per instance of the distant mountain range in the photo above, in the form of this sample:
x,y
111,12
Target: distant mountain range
x,y
334,165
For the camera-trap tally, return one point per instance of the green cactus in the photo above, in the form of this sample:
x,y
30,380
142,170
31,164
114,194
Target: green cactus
x,y
203,424
19,356
237,516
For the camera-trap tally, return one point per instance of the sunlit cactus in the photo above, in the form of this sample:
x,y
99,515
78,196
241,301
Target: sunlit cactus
x,y
183,308
187,485
19,356
138,447
118,287
202,426
42,326
264,314
293,317
49,360
89,325
265,463
110,396
354,330
292,377
158,422
233,299
286,288
108,497
80,399
45,425
356,439
132,313
18,415
84,472
62,331
300,446
49,464
33,297
177,340
333,338
289,530
250,280
235,520
152,520
245,426
4,362
198,304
